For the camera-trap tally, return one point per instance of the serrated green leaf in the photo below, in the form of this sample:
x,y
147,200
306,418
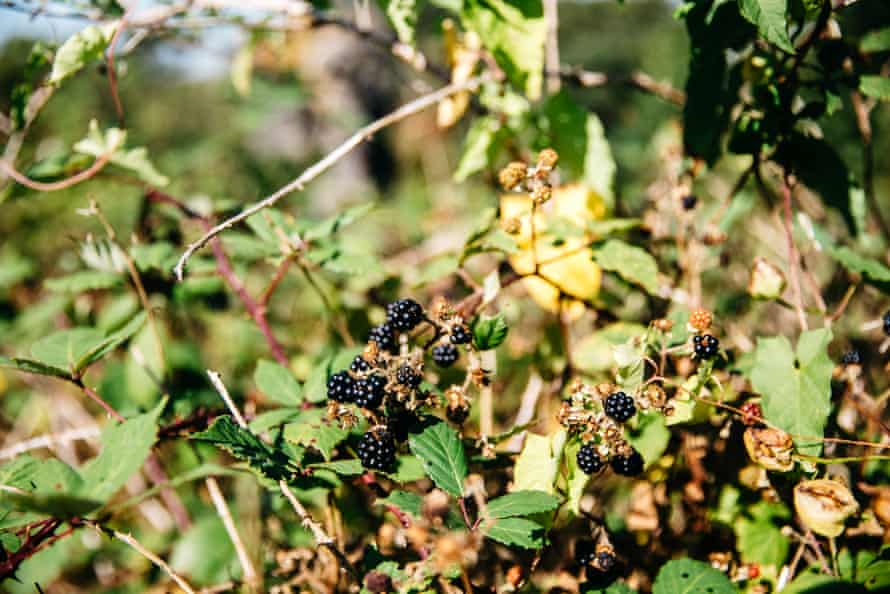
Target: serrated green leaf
x,y
686,576
875,86
112,143
770,18
48,487
244,445
873,269
514,532
409,469
649,436
313,431
80,49
538,462
632,263
125,447
876,41
410,503
273,418
796,390
278,383
443,457
85,280
521,503
112,341
65,348
31,366
759,534
489,333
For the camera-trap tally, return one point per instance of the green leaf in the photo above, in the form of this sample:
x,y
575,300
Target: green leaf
x,y
514,32
514,532
244,445
113,340
649,436
31,366
538,462
594,352
872,269
409,469
48,486
489,333
769,16
576,479
616,588
759,534
278,383
479,147
403,16
312,430
344,467
632,263
85,280
410,503
80,49
205,552
876,41
125,447
875,86
443,456
599,164
76,349
796,390
332,225
686,576
112,143
273,418
521,503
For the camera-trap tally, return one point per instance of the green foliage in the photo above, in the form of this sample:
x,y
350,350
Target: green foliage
x,y
80,49
443,457
489,333
244,445
521,503
796,385
278,383
514,532
686,576
632,263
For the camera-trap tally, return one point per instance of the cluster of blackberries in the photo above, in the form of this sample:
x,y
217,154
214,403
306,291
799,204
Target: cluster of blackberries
x,y
367,392
619,406
705,346
590,462
377,450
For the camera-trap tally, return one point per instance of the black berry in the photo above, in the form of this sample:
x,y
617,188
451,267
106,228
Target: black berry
x,y
359,364
705,346
689,201
377,451
457,414
851,358
620,406
460,335
604,561
630,465
384,337
408,377
340,387
588,460
585,552
404,314
400,422
886,320
445,355
369,391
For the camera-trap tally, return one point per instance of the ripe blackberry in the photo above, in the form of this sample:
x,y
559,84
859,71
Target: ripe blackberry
x,y
457,414
619,406
589,460
585,552
384,337
460,335
408,377
706,346
359,364
404,314
369,391
630,465
445,355
689,201
886,320
605,559
340,387
377,451
852,358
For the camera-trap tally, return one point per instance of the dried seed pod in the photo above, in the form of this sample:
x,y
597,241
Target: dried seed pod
x,y
512,175
771,448
512,226
542,193
547,158
824,505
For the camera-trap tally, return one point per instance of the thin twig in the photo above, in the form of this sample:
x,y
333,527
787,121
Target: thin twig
x,y
160,563
551,49
327,162
49,440
84,175
219,502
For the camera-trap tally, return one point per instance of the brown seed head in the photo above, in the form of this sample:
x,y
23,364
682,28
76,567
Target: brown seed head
x,y
513,174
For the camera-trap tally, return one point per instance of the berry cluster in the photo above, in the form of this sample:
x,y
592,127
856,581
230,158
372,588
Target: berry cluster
x,y
385,380
595,415
706,346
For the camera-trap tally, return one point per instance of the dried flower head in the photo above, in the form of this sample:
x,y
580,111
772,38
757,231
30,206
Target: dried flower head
x,y
769,447
824,505
513,175
547,158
